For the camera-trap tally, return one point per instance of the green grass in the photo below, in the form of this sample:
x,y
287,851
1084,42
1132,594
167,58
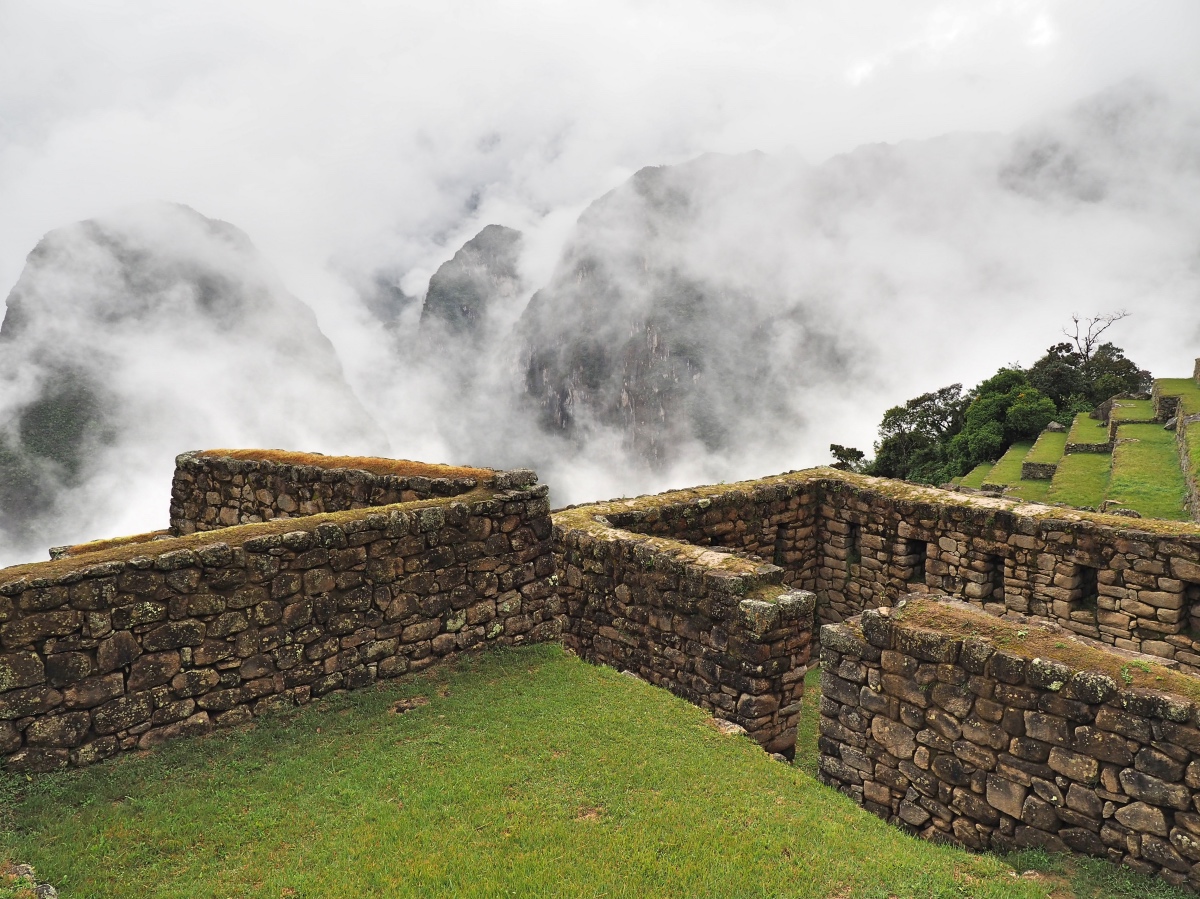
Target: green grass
x,y
1146,476
1049,447
1008,469
1186,389
1132,410
528,773
976,476
1030,491
1085,429
1081,480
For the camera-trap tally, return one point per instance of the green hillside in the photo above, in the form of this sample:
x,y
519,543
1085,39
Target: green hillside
x,y
1143,472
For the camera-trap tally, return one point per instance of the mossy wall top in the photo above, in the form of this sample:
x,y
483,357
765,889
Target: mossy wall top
x,y
219,488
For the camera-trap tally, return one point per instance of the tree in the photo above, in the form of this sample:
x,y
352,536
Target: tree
x,y
848,457
1085,332
913,438
941,435
1077,383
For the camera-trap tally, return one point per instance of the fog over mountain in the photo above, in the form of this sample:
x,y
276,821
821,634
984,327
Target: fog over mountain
x,y
634,244
133,337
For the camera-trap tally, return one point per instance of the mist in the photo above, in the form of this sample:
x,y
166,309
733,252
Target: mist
x,y
878,201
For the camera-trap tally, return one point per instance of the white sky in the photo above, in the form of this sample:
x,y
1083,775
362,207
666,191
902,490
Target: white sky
x,y
345,136
353,133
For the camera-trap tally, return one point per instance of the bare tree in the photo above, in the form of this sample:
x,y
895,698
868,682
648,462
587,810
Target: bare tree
x,y
1087,331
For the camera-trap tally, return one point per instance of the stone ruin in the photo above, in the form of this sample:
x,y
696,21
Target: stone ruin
x,y
284,576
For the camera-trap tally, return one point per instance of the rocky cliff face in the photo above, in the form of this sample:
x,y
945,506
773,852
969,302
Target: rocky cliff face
x,y
463,291
136,336
730,302
653,325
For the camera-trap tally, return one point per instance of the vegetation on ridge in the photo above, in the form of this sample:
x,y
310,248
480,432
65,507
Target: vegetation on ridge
x,y
942,435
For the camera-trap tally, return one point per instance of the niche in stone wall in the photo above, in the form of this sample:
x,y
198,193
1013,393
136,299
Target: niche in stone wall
x,y
984,579
1085,596
991,587
854,545
779,551
912,560
1191,602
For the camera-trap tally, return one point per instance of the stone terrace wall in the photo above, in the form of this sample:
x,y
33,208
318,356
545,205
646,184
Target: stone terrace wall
x,y
860,543
957,739
125,648
1136,587
715,628
211,491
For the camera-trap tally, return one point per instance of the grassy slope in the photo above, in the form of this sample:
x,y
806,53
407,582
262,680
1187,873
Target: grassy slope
x,y
1085,429
1133,410
1188,392
1007,471
1049,447
1145,472
1081,480
976,476
528,773
1186,389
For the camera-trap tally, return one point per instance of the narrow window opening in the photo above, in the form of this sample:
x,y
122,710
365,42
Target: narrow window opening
x,y
854,549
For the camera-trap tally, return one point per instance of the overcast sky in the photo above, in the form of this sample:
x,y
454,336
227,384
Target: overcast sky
x,y
342,135
352,136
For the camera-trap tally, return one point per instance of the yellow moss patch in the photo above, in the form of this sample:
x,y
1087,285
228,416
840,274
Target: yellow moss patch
x,y
1038,641
131,548
94,546
373,464
898,490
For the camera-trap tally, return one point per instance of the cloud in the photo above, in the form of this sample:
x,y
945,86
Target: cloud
x,y
360,137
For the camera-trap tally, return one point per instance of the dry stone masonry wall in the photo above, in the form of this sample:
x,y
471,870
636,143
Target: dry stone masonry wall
x,y
860,543
716,628
970,739
212,491
132,646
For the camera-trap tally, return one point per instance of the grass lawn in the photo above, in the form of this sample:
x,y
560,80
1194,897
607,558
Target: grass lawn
x,y
1049,447
1132,410
1186,389
516,773
1030,491
1081,480
1008,469
976,476
1146,475
1085,429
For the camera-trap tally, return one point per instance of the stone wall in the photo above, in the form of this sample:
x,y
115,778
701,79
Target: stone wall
x,y
992,741
1038,471
127,647
1189,427
716,628
1100,449
860,543
216,489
